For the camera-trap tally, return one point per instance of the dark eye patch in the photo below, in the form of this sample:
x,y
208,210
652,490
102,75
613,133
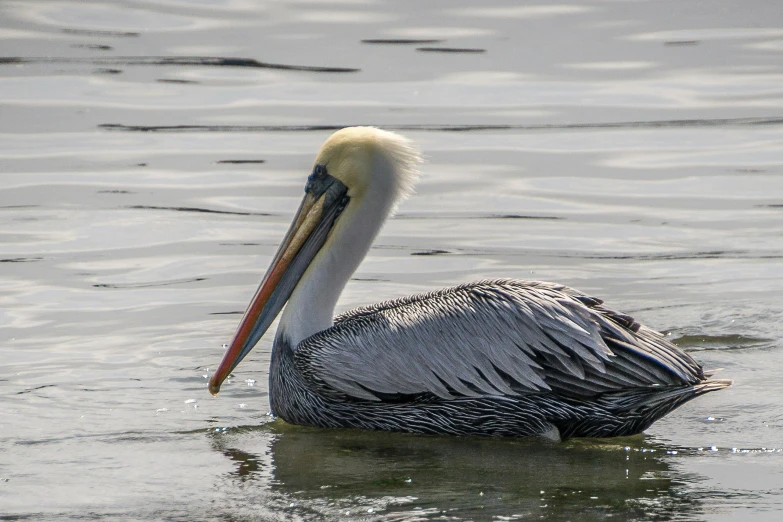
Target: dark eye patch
x,y
318,180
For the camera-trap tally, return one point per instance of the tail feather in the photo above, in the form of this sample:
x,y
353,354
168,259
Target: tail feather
x,y
666,398
632,411
712,384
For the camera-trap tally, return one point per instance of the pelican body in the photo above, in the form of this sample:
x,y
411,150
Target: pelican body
x,y
501,357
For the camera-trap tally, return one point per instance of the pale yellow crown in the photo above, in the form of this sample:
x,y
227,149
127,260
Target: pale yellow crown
x,y
360,158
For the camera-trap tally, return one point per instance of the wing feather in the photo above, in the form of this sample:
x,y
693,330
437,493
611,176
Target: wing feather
x,y
490,338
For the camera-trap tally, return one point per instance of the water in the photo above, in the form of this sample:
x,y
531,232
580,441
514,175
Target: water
x,y
633,150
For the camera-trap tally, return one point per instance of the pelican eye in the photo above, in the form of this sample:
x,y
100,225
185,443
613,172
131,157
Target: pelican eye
x,y
318,181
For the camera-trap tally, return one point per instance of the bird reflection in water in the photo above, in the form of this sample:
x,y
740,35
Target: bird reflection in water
x,y
326,473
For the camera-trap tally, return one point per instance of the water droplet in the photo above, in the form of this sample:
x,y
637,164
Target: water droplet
x,y
161,409
714,448
250,382
370,510
242,405
190,401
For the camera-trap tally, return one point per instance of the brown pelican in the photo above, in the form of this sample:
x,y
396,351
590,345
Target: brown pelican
x,y
494,357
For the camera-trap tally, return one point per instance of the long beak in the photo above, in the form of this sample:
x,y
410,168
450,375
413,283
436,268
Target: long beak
x,y
304,239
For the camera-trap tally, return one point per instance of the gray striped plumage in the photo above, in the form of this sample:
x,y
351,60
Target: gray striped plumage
x,y
495,357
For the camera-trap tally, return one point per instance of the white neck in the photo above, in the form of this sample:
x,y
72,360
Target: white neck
x,y
311,306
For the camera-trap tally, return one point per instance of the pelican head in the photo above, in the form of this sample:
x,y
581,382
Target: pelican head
x,y
359,176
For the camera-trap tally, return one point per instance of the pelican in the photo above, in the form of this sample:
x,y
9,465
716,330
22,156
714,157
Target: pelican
x,y
501,357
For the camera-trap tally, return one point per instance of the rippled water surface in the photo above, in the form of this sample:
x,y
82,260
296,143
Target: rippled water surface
x,y
153,152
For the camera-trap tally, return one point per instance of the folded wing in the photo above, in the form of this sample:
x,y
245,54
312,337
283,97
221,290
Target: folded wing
x,y
490,338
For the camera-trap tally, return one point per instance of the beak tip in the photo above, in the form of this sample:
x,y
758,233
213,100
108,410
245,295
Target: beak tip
x,y
214,387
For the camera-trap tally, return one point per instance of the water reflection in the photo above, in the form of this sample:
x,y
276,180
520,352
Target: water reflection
x,y
168,61
398,476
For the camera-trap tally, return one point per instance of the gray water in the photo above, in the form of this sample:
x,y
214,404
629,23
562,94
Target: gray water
x,y
632,150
